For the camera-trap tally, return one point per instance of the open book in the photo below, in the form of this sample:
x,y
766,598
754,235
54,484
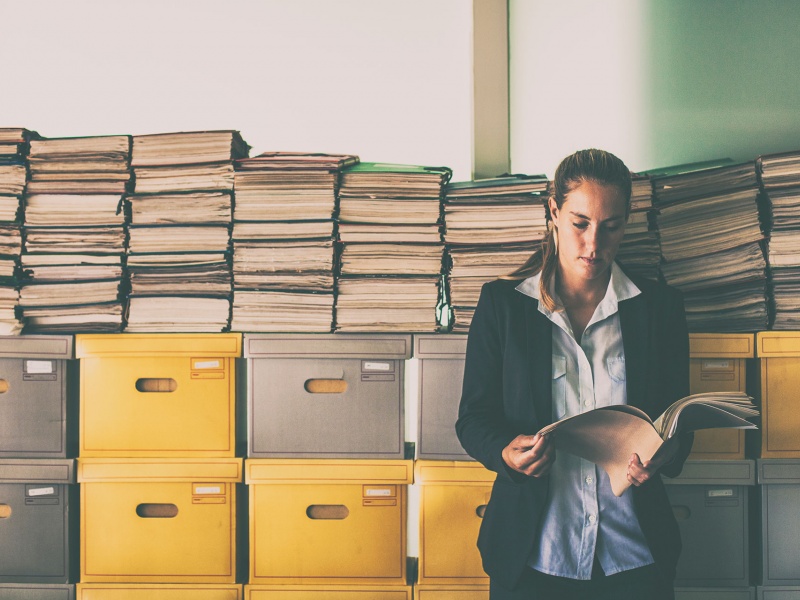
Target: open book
x,y
607,436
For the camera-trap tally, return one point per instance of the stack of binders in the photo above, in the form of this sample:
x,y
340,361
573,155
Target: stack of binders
x,y
283,241
75,234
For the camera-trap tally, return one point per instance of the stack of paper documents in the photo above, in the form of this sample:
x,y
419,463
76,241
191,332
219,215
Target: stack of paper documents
x,y
492,226
711,237
640,251
283,241
391,271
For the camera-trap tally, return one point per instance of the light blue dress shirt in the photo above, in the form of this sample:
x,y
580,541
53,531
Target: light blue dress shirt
x,y
582,517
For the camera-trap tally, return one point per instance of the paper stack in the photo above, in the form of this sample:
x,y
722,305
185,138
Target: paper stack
x,y
391,264
492,226
179,245
640,251
75,234
283,241
780,180
711,236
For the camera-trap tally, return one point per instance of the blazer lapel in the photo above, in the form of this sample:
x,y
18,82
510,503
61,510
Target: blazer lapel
x,y
540,362
635,333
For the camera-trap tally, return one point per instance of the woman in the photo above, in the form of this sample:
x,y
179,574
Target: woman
x,y
569,332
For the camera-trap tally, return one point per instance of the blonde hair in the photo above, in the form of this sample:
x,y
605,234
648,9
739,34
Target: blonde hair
x,y
585,165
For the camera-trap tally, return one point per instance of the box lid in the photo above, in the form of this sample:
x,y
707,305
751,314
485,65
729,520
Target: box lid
x,y
330,345
159,469
778,470
715,472
37,470
721,345
440,346
298,471
155,344
36,346
777,344
454,472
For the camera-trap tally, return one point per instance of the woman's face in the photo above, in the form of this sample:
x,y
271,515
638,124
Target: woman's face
x,y
590,224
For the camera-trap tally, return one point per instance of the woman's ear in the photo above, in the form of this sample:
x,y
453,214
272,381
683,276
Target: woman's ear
x,y
552,208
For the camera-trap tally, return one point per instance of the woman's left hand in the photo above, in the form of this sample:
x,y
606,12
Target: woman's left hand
x,y
639,472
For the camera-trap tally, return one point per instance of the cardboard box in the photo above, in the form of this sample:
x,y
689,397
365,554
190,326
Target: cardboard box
x,y
328,521
779,354
159,520
451,592
779,480
164,591
158,395
327,592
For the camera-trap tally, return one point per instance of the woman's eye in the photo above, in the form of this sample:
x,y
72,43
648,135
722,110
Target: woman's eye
x,y
581,225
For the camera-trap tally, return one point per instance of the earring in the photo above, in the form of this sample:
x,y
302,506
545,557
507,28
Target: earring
x,y
555,240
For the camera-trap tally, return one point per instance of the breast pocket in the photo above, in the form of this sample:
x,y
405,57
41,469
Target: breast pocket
x,y
616,374
559,389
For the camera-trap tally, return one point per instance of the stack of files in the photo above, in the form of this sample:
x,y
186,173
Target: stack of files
x,y
492,226
392,255
283,241
711,236
640,250
780,179
75,234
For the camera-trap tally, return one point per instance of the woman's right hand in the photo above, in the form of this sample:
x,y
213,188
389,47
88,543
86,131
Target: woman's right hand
x,y
531,455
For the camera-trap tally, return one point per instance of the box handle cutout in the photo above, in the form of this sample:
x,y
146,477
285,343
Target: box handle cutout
x,y
328,512
480,510
5,511
155,384
682,513
325,386
157,511
3,386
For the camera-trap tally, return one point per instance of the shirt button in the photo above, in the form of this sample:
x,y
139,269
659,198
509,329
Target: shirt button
x,y
589,479
587,403
592,518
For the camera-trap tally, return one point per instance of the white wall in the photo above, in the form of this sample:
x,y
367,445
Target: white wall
x,y
390,81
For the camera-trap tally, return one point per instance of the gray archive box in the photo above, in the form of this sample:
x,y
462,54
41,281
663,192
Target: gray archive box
x,y
441,374
38,518
326,395
710,501
779,592
34,394
722,593
779,479
30,591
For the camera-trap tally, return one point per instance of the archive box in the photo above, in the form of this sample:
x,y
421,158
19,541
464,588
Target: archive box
x,y
779,480
35,373
453,496
159,520
718,363
38,520
778,592
34,591
158,591
326,395
328,521
451,592
327,592
710,501
779,355
441,374
722,593
157,395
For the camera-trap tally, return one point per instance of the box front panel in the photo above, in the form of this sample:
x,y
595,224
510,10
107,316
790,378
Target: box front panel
x,y
722,593
158,532
32,408
330,592
33,533
18,591
451,592
440,394
327,533
449,522
717,375
780,407
713,521
326,408
100,591
157,406
780,534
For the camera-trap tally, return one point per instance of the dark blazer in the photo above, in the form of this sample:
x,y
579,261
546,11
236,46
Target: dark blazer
x,y
507,392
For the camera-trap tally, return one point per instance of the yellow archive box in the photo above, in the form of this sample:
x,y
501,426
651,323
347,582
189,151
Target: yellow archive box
x,y
718,363
327,592
158,520
451,592
157,395
328,521
779,354
453,496
154,591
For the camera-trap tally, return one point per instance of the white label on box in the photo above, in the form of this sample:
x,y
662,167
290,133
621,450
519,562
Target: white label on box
x,y
716,364
379,492
38,366
47,491
377,366
207,364
208,489
720,493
